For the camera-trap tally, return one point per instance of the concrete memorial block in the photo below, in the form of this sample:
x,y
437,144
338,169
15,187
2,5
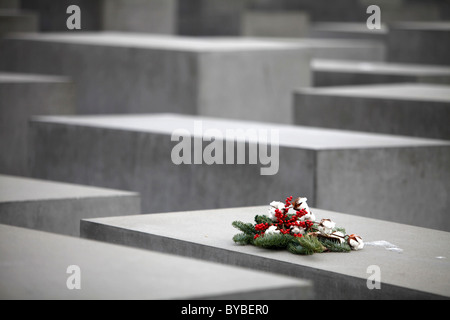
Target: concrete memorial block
x,y
59,207
135,73
21,96
360,173
412,262
12,21
53,14
150,16
320,10
341,49
275,24
421,110
340,72
9,4
209,17
419,42
347,30
43,266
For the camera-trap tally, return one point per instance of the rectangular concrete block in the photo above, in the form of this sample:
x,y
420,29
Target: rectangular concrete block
x,y
283,24
12,21
419,42
21,96
409,267
347,30
340,72
209,17
59,207
320,10
341,49
149,16
42,266
135,73
382,176
421,110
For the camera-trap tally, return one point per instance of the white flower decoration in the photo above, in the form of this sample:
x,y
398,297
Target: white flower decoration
x,y
326,226
272,230
355,242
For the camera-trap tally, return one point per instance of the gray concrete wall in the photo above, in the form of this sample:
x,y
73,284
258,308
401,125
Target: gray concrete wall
x,y
420,110
21,96
419,42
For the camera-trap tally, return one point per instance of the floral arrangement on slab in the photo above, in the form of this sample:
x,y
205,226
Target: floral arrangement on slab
x,y
292,226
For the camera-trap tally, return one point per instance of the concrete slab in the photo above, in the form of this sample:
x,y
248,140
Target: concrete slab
x,y
53,14
12,20
340,72
421,110
59,207
388,177
275,24
341,49
410,268
136,73
347,30
21,96
149,16
320,10
419,42
209,17
34,267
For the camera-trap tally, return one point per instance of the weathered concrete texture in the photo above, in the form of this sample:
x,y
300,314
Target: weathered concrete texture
x,y
320,10
340,72
341,49
53,13
21,96
34,266
419,42
59,207
347,30
9,4
410,267
135,73
387,177
150,16
209,17
275,24
420,110
12,21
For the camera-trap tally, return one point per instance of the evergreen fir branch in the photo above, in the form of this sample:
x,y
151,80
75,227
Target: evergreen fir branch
x,y
246,228
273,241
311,244
263,219
296,248
335,246
243,238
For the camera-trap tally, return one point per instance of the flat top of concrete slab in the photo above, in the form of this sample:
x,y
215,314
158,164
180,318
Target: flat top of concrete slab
x,y
34,264
161,42
323,42
408,256
400,91
289,135
348,27
10,77
13,189
422,25
369,67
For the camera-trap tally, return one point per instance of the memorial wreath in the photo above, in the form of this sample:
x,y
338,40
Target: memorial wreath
x,y
292,226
